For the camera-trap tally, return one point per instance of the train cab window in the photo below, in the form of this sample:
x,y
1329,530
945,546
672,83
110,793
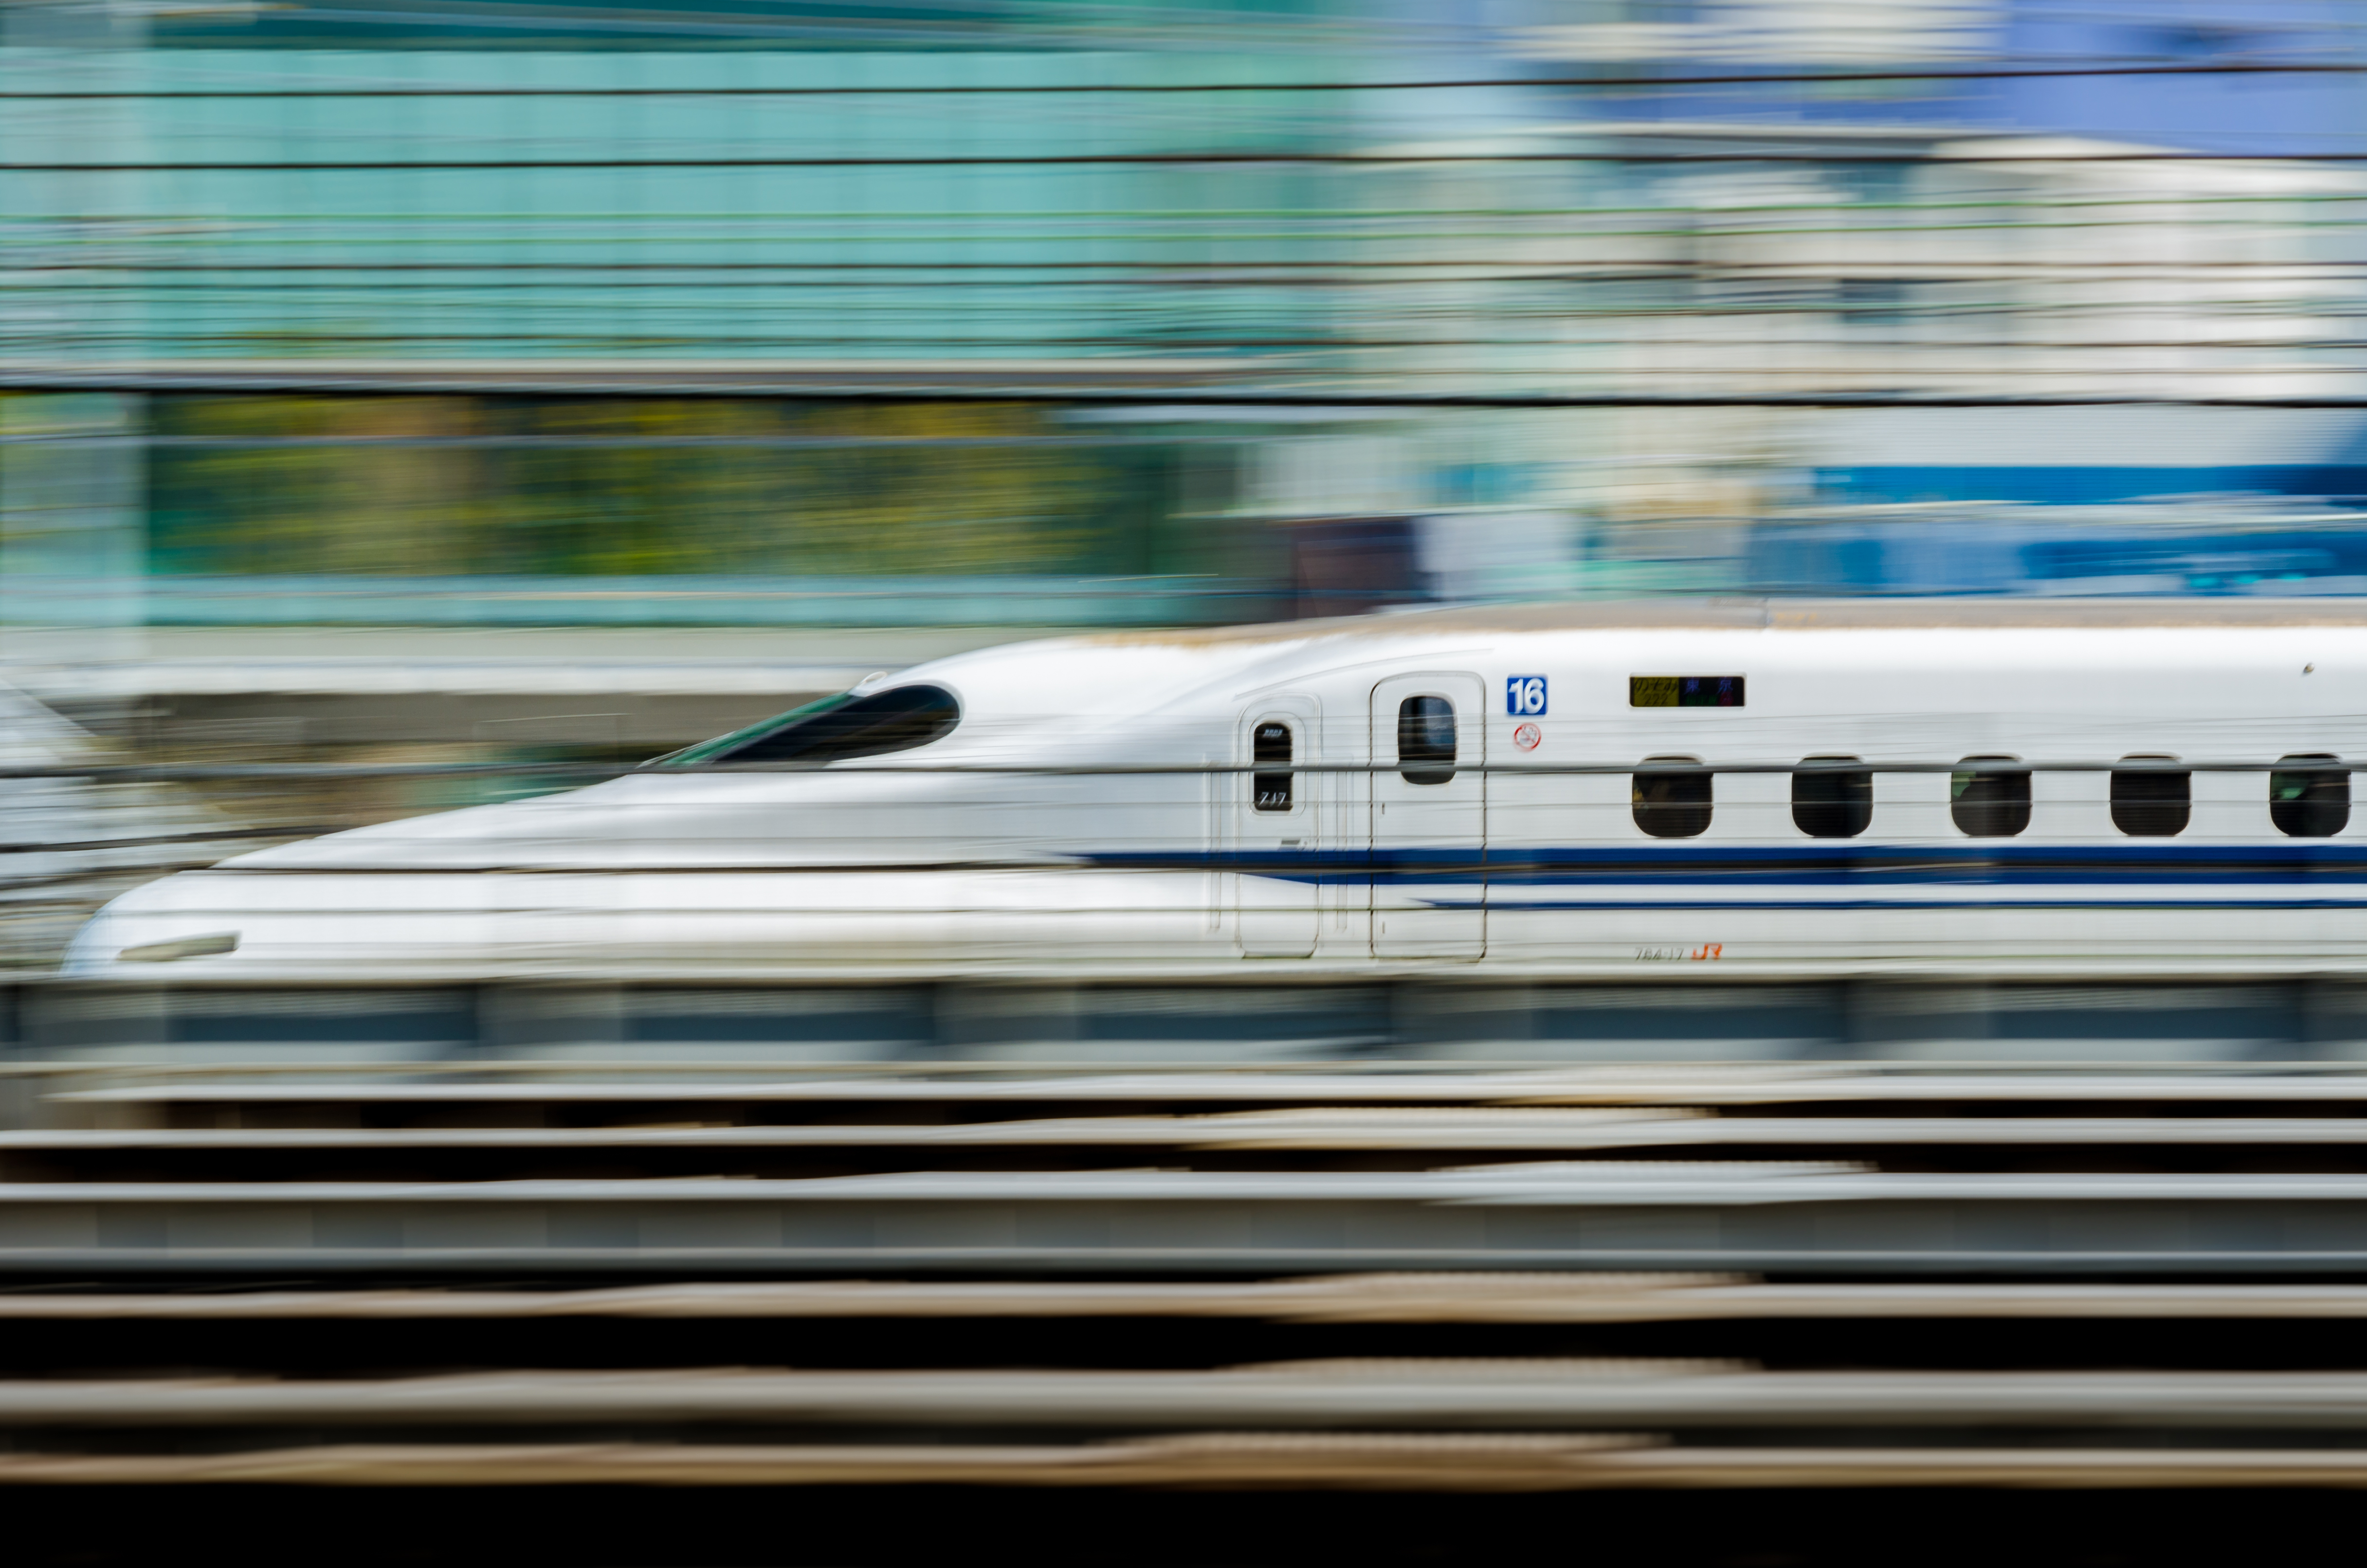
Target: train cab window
x,y
834,730
1270,745
1987,804
1671,805
1833,805
2148,804
1426,740
2309,803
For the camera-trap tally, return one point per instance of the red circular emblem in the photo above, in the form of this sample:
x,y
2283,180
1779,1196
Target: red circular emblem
x,y
1527,736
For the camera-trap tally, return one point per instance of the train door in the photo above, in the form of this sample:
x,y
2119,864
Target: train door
x,y
1275,829
1430,817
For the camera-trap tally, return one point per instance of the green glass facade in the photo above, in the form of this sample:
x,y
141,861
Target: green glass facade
x,y
1110,314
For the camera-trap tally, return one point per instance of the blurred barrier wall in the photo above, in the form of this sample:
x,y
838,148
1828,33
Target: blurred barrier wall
x,y
1198,315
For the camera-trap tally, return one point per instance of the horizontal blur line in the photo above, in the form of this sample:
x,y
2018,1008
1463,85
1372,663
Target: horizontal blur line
x,y
104,277
603,443
925,31
1698,79
783,311
1334,1085
1456,1394
1774,273
1086,394
1372,1298
930,28
1931,359
1404,1463
1327,1085
208,836
1563,1185
510,1262
872,323
1430,1128
167,773
1741,154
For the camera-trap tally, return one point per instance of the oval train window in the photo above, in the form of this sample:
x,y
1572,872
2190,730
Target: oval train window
x,y
1672,805
2309,803
1426,740
835,729
2150,803
1833,805
1990,804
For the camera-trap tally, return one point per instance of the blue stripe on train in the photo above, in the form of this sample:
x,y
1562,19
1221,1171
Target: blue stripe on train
x,y
2122,865
1745,905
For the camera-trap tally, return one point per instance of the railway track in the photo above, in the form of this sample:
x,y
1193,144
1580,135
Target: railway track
x,y
1458,1279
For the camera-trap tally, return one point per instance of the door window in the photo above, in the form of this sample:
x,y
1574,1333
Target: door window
x,y
1270,745
1426,740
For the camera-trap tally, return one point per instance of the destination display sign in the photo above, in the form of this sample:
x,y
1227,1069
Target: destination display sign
x,y
1684,691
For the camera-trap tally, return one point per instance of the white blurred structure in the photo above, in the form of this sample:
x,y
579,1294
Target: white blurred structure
x,y
1831,32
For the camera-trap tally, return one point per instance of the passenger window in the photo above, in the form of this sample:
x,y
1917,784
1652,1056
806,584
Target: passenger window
x,y
1990,805
2152,805
1269,746
1671,805
2312,802
1833,805
1426,740
834,730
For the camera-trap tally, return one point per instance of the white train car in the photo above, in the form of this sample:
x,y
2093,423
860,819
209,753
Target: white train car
x,y
1575,792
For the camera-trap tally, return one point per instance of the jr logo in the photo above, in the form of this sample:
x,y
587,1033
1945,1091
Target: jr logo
x,y
1525,695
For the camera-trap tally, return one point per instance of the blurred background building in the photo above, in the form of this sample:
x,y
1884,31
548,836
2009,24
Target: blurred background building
x,y
419,378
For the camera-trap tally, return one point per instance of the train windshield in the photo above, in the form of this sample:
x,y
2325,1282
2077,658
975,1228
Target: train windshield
x,y
834,729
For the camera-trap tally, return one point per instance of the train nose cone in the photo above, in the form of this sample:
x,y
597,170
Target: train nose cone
x,y
171,920
94,947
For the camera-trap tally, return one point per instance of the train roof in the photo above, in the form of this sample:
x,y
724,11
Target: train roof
x,y
1741,614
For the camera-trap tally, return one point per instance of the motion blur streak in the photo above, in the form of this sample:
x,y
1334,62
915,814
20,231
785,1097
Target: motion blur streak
x,y
1036,313
1248,782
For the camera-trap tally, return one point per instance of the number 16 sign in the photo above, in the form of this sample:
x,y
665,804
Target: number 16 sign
x,y
1525,695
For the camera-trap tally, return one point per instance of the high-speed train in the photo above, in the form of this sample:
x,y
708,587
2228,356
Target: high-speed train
x,y
2095,789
